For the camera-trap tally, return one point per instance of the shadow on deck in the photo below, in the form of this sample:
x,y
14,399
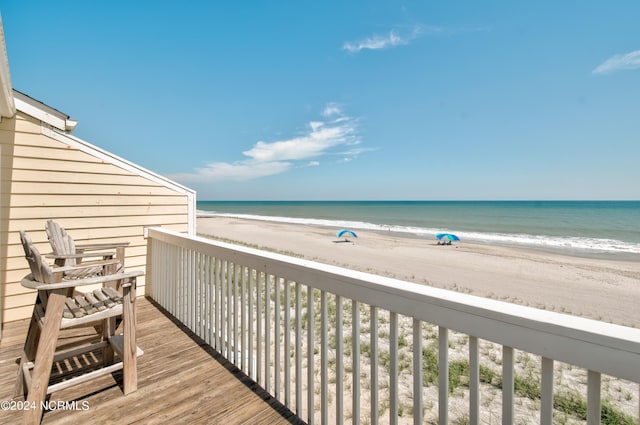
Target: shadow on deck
x,y
180,380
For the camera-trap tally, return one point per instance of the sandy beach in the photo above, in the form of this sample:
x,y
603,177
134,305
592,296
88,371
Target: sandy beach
x,y
600,289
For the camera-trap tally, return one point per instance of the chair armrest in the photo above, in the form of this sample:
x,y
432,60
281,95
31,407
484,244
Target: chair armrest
x,y
83,255
94,246
29,282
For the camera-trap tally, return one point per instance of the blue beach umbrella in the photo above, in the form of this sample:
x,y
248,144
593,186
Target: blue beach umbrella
x,y
444,237
346,232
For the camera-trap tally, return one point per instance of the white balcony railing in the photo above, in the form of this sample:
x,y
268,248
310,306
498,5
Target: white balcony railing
x,y
337,345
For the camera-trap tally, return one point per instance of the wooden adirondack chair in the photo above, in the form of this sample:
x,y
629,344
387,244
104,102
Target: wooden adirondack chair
x,y
58,307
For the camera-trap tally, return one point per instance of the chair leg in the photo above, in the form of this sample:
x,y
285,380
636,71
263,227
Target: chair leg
x,y
28,354
108,330
45,350
130,360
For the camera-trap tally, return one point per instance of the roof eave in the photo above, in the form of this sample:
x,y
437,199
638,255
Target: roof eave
x,y
43,112
7,104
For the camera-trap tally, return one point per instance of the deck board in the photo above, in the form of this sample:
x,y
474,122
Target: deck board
x,y
180,380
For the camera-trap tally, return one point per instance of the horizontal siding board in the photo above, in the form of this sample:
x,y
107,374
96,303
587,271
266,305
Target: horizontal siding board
x,y
36,139
46,164
96,211
159,201
21,300
70,155
89,189
137,221
133,234
27,124
109,176
19,313
14,288
39,140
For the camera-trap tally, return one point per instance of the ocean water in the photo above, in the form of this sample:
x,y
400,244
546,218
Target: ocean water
x,y
593,228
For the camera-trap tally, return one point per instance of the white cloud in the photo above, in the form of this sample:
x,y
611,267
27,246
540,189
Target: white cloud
x,y
239,171
331,109
620,62
336,135
376,42
393,39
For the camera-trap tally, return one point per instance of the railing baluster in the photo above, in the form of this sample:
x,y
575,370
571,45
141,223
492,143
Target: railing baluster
x,y
223,307
171,279
287,343
507,385
374,364
192,283
167,289
267,332
175,275
339,362
250,295
211,285
324,360
443,375
206,319
201,298
417,372
229,310
244,356
310,357
277,365
180,285
259,341
594,406
393,371
298,349
236,328
218,308
186,317
474,381
195,293
355,360
546,392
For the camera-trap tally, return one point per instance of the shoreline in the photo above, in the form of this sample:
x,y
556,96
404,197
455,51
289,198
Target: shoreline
x,y
391,230
597,288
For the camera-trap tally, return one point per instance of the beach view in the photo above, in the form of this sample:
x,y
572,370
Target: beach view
x,y
362,212
574,272
579,258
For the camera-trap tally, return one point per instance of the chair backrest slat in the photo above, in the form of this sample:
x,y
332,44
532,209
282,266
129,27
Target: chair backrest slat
x,y
40,269
61,242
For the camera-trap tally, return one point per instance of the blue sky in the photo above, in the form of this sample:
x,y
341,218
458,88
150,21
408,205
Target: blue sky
x,y
347,99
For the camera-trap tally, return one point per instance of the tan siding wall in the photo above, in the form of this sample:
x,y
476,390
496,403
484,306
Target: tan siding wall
x,y
94,200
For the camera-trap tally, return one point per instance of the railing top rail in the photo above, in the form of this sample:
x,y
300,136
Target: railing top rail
x,y
598,346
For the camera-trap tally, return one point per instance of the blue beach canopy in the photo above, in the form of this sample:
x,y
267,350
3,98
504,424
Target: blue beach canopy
x,y
448,236
346,232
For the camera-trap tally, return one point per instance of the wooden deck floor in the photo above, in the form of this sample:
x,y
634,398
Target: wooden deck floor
x,y
180,380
